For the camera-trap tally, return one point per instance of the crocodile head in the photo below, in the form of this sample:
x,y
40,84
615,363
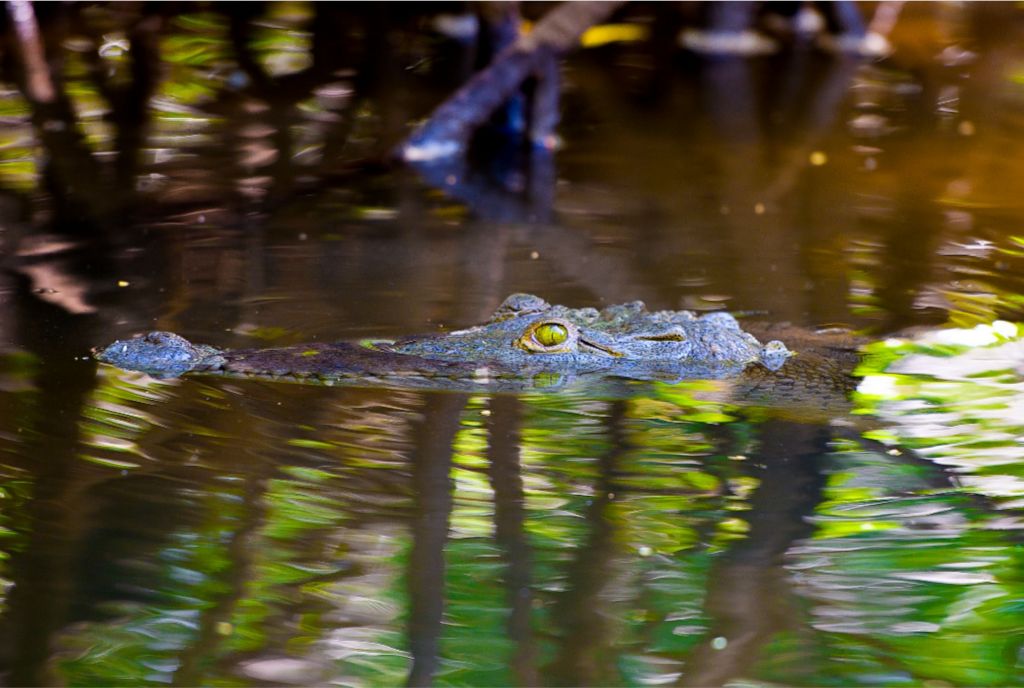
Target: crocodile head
x,y
159,354
526,332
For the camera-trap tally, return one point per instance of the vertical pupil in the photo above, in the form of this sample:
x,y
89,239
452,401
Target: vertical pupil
x,y
551,334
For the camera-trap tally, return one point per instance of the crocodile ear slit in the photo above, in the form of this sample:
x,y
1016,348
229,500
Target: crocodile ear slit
x,y
602,348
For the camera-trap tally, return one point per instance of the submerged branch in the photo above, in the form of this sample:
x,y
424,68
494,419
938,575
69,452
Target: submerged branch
x,y
448,129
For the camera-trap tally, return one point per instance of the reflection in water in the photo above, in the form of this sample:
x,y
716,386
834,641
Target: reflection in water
x,y
515,186
749,598
505,469
388,536
585,627
432,489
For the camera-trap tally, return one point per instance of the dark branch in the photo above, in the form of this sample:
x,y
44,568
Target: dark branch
x,y
448,129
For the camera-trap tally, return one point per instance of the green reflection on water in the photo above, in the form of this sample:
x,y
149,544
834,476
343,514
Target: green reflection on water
x,y
956,397
608,540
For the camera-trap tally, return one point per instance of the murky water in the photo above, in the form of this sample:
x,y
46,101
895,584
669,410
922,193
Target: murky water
x,y
212,531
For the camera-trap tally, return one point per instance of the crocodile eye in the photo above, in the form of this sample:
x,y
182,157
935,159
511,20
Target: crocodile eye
x,y
551,334
548,336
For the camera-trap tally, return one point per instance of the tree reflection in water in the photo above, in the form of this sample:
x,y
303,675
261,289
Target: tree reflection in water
x,y
558,539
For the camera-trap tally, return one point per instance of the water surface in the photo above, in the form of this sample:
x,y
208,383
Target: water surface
x,y
211,531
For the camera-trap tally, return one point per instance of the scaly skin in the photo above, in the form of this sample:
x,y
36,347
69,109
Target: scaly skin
x,y
527,333
526,343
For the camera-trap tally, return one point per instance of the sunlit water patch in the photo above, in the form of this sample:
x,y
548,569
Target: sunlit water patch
x,y
957,398
905,578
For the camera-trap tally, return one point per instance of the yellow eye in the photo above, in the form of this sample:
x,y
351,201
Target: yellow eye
x,y
551,334
554,336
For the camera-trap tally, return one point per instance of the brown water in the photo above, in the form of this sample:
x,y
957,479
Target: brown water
x,y
222,532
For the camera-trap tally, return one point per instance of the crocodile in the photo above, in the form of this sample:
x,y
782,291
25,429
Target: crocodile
x,y
527,343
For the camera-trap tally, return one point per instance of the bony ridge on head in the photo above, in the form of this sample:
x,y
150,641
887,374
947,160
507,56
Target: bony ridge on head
x,y
519,304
